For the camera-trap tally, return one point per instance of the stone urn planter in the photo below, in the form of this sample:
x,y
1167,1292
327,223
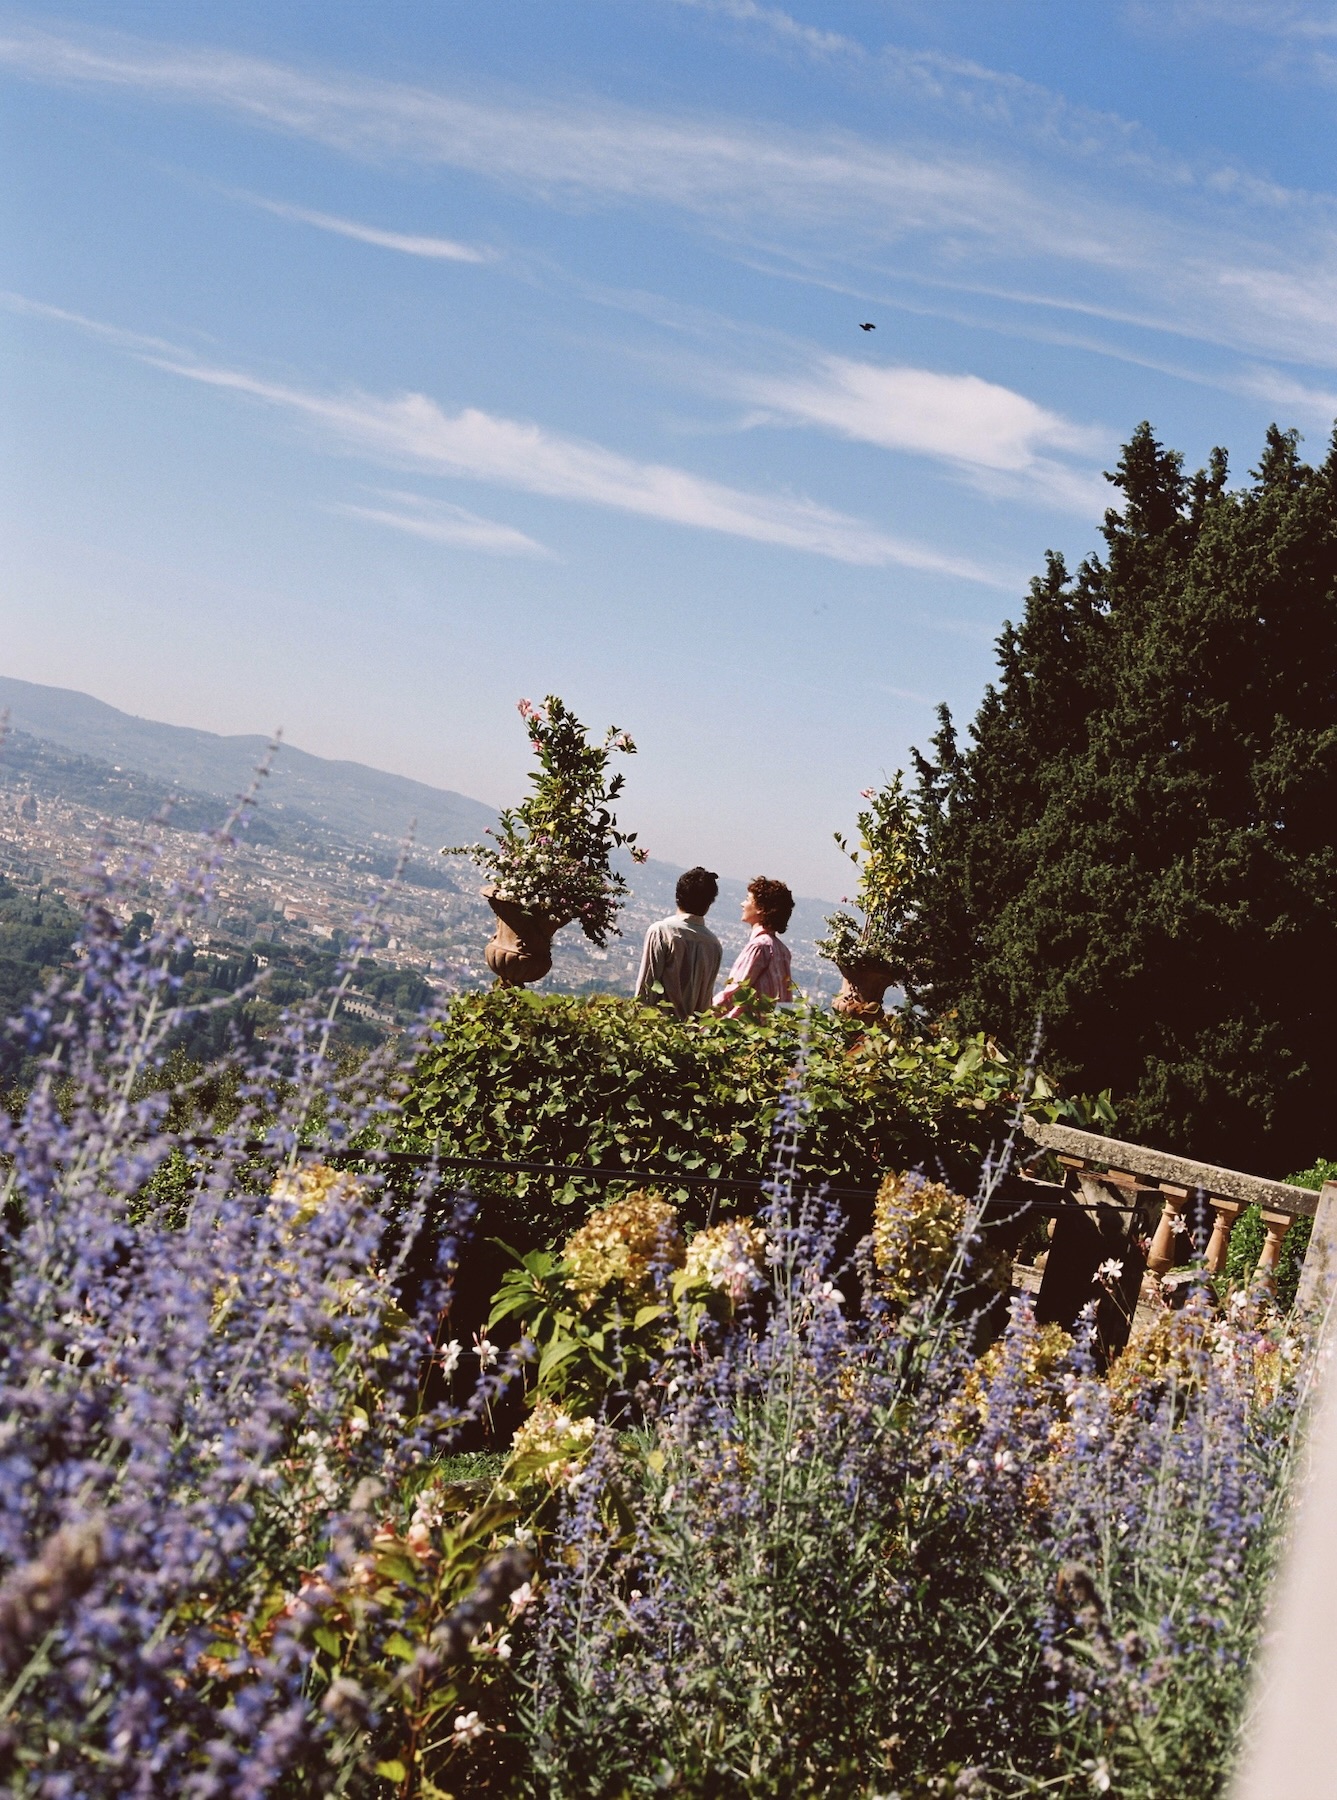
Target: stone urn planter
x,y
520,949
862,986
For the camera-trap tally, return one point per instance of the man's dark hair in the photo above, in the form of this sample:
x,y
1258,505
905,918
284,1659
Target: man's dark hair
x,y
774,902
697,890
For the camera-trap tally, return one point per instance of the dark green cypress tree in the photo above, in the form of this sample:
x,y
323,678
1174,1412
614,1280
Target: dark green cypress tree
x,y
1139,838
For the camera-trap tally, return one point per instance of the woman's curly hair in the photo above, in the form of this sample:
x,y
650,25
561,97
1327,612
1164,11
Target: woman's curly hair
x,y
774,902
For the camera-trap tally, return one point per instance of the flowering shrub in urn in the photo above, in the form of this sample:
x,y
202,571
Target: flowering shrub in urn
x,y
870,954
549,861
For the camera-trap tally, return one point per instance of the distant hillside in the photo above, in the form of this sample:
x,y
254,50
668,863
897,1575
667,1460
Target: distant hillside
x,y
67,742
347,797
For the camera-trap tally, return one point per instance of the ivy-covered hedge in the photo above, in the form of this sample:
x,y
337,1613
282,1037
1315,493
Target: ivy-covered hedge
x,y
606,1081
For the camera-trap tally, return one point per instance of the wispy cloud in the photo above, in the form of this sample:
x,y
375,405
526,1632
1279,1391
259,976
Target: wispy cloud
x,y
999,439
441,523
413,431
1217,255
136,341
781,24
1275,18
435,248
1316,405
828,194
1283,40
718,169
1025,109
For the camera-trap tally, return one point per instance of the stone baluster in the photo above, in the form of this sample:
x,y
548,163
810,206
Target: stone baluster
x,y
1162,1254
1277,1225
1227,1211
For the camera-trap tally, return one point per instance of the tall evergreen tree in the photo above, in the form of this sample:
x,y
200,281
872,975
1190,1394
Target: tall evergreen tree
x,y
1139,838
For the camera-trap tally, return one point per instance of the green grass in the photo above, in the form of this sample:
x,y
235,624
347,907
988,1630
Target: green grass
x,y
471,1465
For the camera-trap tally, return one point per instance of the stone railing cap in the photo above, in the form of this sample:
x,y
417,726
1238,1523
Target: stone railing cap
x,y
1175,1171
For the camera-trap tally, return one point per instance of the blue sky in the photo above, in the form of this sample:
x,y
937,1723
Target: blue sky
x,y
370,367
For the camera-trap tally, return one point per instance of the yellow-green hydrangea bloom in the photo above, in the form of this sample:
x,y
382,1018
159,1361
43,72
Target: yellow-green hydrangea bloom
x,y
917,1226
730,1258
621,1244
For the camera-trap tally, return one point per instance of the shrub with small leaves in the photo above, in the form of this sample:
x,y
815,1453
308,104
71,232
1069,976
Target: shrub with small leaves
x,y
551,854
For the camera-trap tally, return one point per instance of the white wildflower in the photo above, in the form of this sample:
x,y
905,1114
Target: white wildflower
x,y
522,1598
485,1350
1110,1270
468,1727
449,1358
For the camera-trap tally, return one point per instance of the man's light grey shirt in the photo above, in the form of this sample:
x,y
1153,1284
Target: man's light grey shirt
x,y
684,958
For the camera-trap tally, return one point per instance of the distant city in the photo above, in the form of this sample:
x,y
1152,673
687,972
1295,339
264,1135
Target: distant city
x,y
309,871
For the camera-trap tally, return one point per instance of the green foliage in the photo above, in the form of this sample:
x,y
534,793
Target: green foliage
x,y
1246,1240
1323,1171
851,1563
603,1081
622,1292
585,1352
552,854
393,1692
890,861
1138,838
37,930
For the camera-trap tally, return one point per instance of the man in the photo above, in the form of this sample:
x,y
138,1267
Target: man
x,y
681,957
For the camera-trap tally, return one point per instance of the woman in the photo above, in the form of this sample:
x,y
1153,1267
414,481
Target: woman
x,y
762,965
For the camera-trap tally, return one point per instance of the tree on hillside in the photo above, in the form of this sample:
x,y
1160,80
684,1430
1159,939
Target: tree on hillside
x,y
36,933
1139,838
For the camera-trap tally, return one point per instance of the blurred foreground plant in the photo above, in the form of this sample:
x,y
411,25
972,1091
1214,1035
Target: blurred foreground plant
x,y
210,1387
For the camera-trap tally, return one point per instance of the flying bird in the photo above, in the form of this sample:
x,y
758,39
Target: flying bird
x,y
868,328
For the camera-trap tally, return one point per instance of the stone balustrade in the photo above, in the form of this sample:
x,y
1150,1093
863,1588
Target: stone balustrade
x,y
1179,1181
1125,1193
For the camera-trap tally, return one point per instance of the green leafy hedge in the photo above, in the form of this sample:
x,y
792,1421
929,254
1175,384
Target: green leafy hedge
x,y
1246,1240
602,1080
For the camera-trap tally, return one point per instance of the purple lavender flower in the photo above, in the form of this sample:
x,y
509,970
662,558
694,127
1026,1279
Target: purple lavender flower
x,y
193,1390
